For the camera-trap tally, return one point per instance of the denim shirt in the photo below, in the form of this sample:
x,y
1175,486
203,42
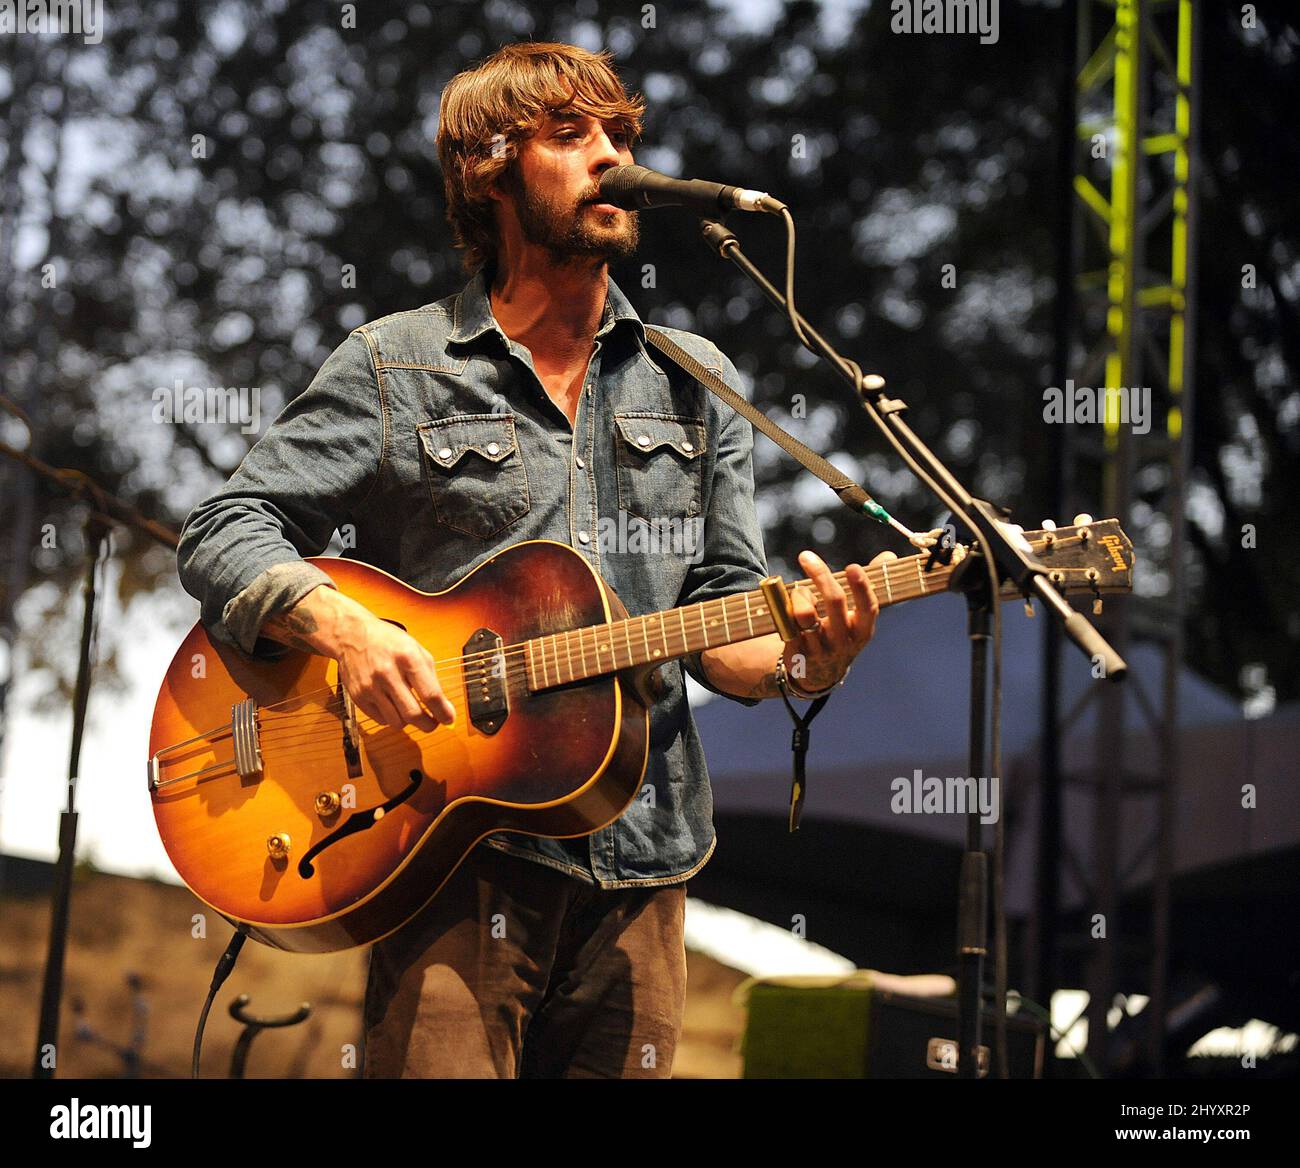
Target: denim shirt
x,y
430,433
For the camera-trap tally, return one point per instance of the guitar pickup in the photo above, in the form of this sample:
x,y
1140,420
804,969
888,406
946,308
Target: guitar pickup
x,y
485,681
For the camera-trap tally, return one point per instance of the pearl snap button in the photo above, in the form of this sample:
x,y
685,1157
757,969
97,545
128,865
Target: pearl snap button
x,y
578,459
644,439
445,452
493,448
584,537
687,446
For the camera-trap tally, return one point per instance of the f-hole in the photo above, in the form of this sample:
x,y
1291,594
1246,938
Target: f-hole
x,y
359,821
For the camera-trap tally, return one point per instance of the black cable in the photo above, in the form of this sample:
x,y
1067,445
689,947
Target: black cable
x,y
790,310
219,975
1040,1011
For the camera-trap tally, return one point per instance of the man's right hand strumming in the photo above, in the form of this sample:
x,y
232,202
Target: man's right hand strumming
x,y
387,672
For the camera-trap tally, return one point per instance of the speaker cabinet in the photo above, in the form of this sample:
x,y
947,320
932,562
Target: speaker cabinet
x,y
834,1032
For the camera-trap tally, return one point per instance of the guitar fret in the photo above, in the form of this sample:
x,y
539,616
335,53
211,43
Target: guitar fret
x,y
550,669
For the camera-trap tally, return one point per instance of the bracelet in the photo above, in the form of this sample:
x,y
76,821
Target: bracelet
x,y
787,684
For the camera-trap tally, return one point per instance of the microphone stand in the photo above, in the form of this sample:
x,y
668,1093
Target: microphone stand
x,y
1002,556
105,511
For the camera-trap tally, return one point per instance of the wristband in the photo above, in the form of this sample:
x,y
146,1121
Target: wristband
x,y
787,684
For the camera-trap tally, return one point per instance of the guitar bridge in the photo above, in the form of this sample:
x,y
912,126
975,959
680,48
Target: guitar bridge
x,y
351,735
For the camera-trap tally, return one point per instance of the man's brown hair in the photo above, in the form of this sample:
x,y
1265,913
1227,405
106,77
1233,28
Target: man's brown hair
x,y
488,110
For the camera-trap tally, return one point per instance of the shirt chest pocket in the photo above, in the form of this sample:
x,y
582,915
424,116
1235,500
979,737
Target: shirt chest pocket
x,y
659,464
475,471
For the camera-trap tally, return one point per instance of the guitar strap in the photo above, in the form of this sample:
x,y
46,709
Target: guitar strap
x,y
834,478
800,739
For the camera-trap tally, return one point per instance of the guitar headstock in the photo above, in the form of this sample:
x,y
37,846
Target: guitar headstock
x,y
1090,555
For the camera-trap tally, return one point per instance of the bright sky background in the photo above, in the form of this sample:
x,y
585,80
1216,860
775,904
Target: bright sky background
x,y
116,827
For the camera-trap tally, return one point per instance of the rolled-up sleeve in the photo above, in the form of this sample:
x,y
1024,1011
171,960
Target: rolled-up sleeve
x,y
241,550
733,559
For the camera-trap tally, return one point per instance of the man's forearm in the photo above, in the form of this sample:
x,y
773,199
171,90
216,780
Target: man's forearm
x,y
324,621
745,668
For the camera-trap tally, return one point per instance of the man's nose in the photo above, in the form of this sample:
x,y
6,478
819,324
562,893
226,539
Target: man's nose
x,y
605,155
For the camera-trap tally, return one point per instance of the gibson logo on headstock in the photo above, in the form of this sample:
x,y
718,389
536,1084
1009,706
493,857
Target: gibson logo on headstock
x,y
1114,545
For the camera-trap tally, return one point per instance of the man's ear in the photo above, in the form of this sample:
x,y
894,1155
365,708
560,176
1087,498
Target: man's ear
x,y
506,186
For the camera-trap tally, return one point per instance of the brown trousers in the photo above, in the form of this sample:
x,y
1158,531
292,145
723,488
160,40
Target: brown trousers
x,y
515,970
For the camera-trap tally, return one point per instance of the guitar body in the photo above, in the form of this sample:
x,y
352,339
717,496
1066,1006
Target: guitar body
x,y
295,854
313,828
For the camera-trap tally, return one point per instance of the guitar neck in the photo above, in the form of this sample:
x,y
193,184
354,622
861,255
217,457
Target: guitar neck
x,y
594,650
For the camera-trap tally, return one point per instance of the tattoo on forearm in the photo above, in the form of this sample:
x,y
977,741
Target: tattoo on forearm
x,y
292,628
766,687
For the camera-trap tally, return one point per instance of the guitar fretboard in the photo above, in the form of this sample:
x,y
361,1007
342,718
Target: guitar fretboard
x,y
593,650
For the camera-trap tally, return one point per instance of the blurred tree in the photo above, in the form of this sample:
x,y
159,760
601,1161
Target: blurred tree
x,y
218,192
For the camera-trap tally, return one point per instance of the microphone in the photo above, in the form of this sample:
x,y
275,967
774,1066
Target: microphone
x,y
637,188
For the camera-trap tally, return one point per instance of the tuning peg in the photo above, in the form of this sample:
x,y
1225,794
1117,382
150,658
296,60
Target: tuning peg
x,y
1048,525
1082,519
1096,607
1029,608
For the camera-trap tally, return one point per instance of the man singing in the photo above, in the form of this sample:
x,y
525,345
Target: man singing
x,y
527,406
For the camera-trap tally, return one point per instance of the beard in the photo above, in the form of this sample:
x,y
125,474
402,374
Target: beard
x,y
571,232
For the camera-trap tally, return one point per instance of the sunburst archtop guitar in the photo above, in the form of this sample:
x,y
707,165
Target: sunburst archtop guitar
x,y
313,828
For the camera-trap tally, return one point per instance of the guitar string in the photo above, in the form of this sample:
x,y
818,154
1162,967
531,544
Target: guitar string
x,y
383,742
520,647
325,713
376,730
303,732
939,575
515,650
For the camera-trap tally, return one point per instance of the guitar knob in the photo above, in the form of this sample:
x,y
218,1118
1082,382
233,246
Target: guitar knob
x,y
327,803
278,845
1082,519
